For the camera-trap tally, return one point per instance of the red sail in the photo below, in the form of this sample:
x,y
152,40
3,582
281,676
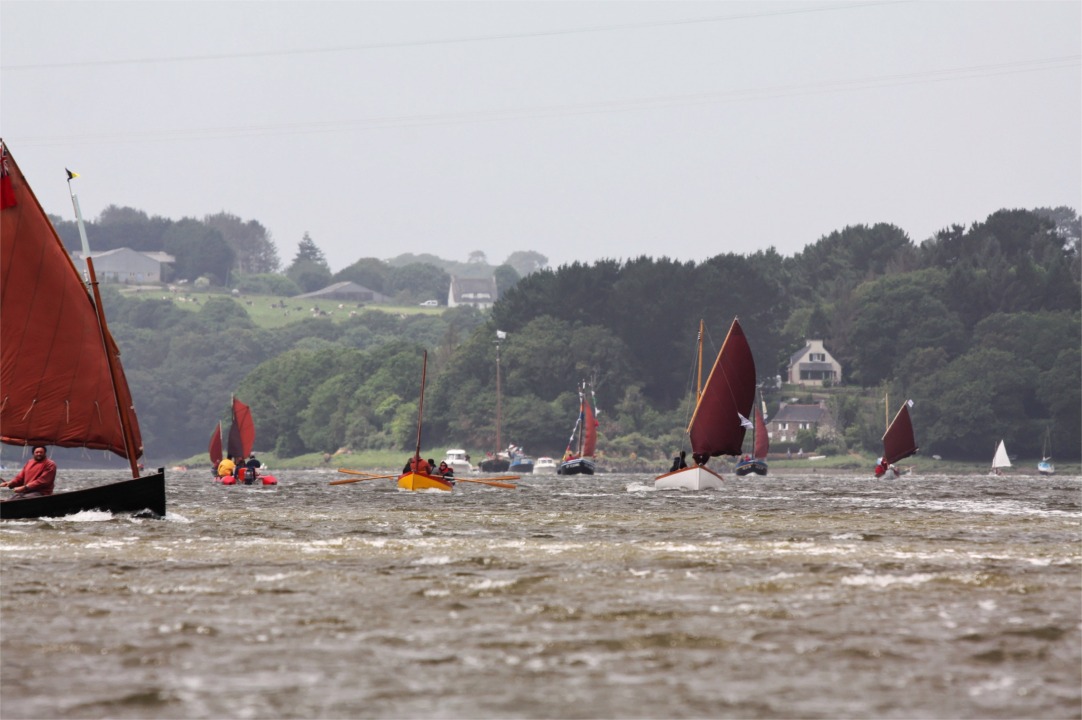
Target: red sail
x,y
55,383
589,430
216,445
899,441
762,439
715,427
242,433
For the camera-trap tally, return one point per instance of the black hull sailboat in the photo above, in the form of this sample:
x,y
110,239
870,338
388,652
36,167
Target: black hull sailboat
x,y
579,456
144,494
59,365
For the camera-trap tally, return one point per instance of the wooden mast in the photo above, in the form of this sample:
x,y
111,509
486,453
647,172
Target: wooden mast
x,y
420,409
129,436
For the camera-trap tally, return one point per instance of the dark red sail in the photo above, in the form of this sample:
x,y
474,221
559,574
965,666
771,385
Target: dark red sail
x,y
56,387
716,427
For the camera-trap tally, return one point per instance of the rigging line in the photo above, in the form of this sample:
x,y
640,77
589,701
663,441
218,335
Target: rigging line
x,y
451,41
552,111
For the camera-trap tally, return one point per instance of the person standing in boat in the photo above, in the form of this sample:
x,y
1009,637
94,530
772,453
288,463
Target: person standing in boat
x,y
37,477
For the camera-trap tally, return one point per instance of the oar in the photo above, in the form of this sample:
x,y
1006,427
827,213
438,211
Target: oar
x,y
489,482
358,472
361,479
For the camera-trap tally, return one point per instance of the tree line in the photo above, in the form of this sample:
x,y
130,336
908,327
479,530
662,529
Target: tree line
x,y
980,325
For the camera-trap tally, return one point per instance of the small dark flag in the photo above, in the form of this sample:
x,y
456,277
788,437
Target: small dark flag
x,y
72,174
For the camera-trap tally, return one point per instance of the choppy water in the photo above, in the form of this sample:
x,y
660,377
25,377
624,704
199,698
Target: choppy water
x,y
815,597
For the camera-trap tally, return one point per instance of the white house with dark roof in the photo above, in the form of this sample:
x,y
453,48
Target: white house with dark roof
x,y
477,292
126,266
791,418
813,365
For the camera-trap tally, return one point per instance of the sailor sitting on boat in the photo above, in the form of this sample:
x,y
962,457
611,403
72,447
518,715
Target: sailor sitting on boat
x,y
883,466
446,472
36,478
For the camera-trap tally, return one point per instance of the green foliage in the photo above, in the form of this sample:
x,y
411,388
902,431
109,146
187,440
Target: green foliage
x,y
266,284
199,250
981,326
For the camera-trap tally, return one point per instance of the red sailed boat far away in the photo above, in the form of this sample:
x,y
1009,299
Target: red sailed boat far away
x,y
59,366
898,443
719,422
240,443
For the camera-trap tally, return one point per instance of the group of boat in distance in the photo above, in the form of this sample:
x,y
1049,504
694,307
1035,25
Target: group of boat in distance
x,y
79,397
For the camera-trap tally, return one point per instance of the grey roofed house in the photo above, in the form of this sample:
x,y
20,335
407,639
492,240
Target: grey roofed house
x,y
347,291
127,266
478,292
791,418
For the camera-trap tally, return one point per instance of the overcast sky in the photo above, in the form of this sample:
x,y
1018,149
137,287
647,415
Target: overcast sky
x,y
580,130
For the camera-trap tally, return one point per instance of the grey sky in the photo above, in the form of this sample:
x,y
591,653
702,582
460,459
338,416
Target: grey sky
x,y
581,130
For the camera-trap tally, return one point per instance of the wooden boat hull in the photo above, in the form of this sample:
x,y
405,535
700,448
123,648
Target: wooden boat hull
x,y
749,467
697,477
578,466
135,495
494,465
419,481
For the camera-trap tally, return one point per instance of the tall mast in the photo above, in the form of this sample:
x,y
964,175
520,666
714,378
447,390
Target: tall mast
x,y
421,406
699,382
499,442
130,451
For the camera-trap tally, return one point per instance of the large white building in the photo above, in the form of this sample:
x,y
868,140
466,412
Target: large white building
x,y
813,365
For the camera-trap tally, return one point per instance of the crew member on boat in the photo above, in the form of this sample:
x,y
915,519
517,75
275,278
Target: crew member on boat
x,y
680,461
446,472
417,465
251,469
36,478
882,467
227,467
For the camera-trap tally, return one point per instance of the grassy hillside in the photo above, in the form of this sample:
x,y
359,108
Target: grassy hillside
x,y
270,311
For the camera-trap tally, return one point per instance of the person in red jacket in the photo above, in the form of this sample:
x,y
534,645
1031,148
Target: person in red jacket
x,y
36,478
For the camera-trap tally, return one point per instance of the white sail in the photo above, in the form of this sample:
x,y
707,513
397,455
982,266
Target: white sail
x,y
1001,460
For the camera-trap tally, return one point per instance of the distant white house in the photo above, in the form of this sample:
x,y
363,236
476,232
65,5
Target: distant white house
x,y
477,292
126,266
813,365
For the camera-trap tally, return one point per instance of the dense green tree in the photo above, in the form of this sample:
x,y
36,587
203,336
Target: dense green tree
x,y
366,272
526,261
251,243
199,251
506,278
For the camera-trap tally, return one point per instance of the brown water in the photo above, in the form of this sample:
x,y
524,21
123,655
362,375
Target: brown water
x,y
815,597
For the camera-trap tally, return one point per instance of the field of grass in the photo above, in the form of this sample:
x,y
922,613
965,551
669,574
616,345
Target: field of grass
x,y
271,311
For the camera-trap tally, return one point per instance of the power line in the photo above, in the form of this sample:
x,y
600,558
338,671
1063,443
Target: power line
x,y
551,111
447,41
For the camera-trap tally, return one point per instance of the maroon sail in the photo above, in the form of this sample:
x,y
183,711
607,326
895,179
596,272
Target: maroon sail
x,y
716,427
56,385
242,431
899,441
762,438
215,448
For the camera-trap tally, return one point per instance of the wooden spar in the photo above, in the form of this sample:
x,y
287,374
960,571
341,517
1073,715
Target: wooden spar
x,y
420,407
699,384
103,328
499,443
